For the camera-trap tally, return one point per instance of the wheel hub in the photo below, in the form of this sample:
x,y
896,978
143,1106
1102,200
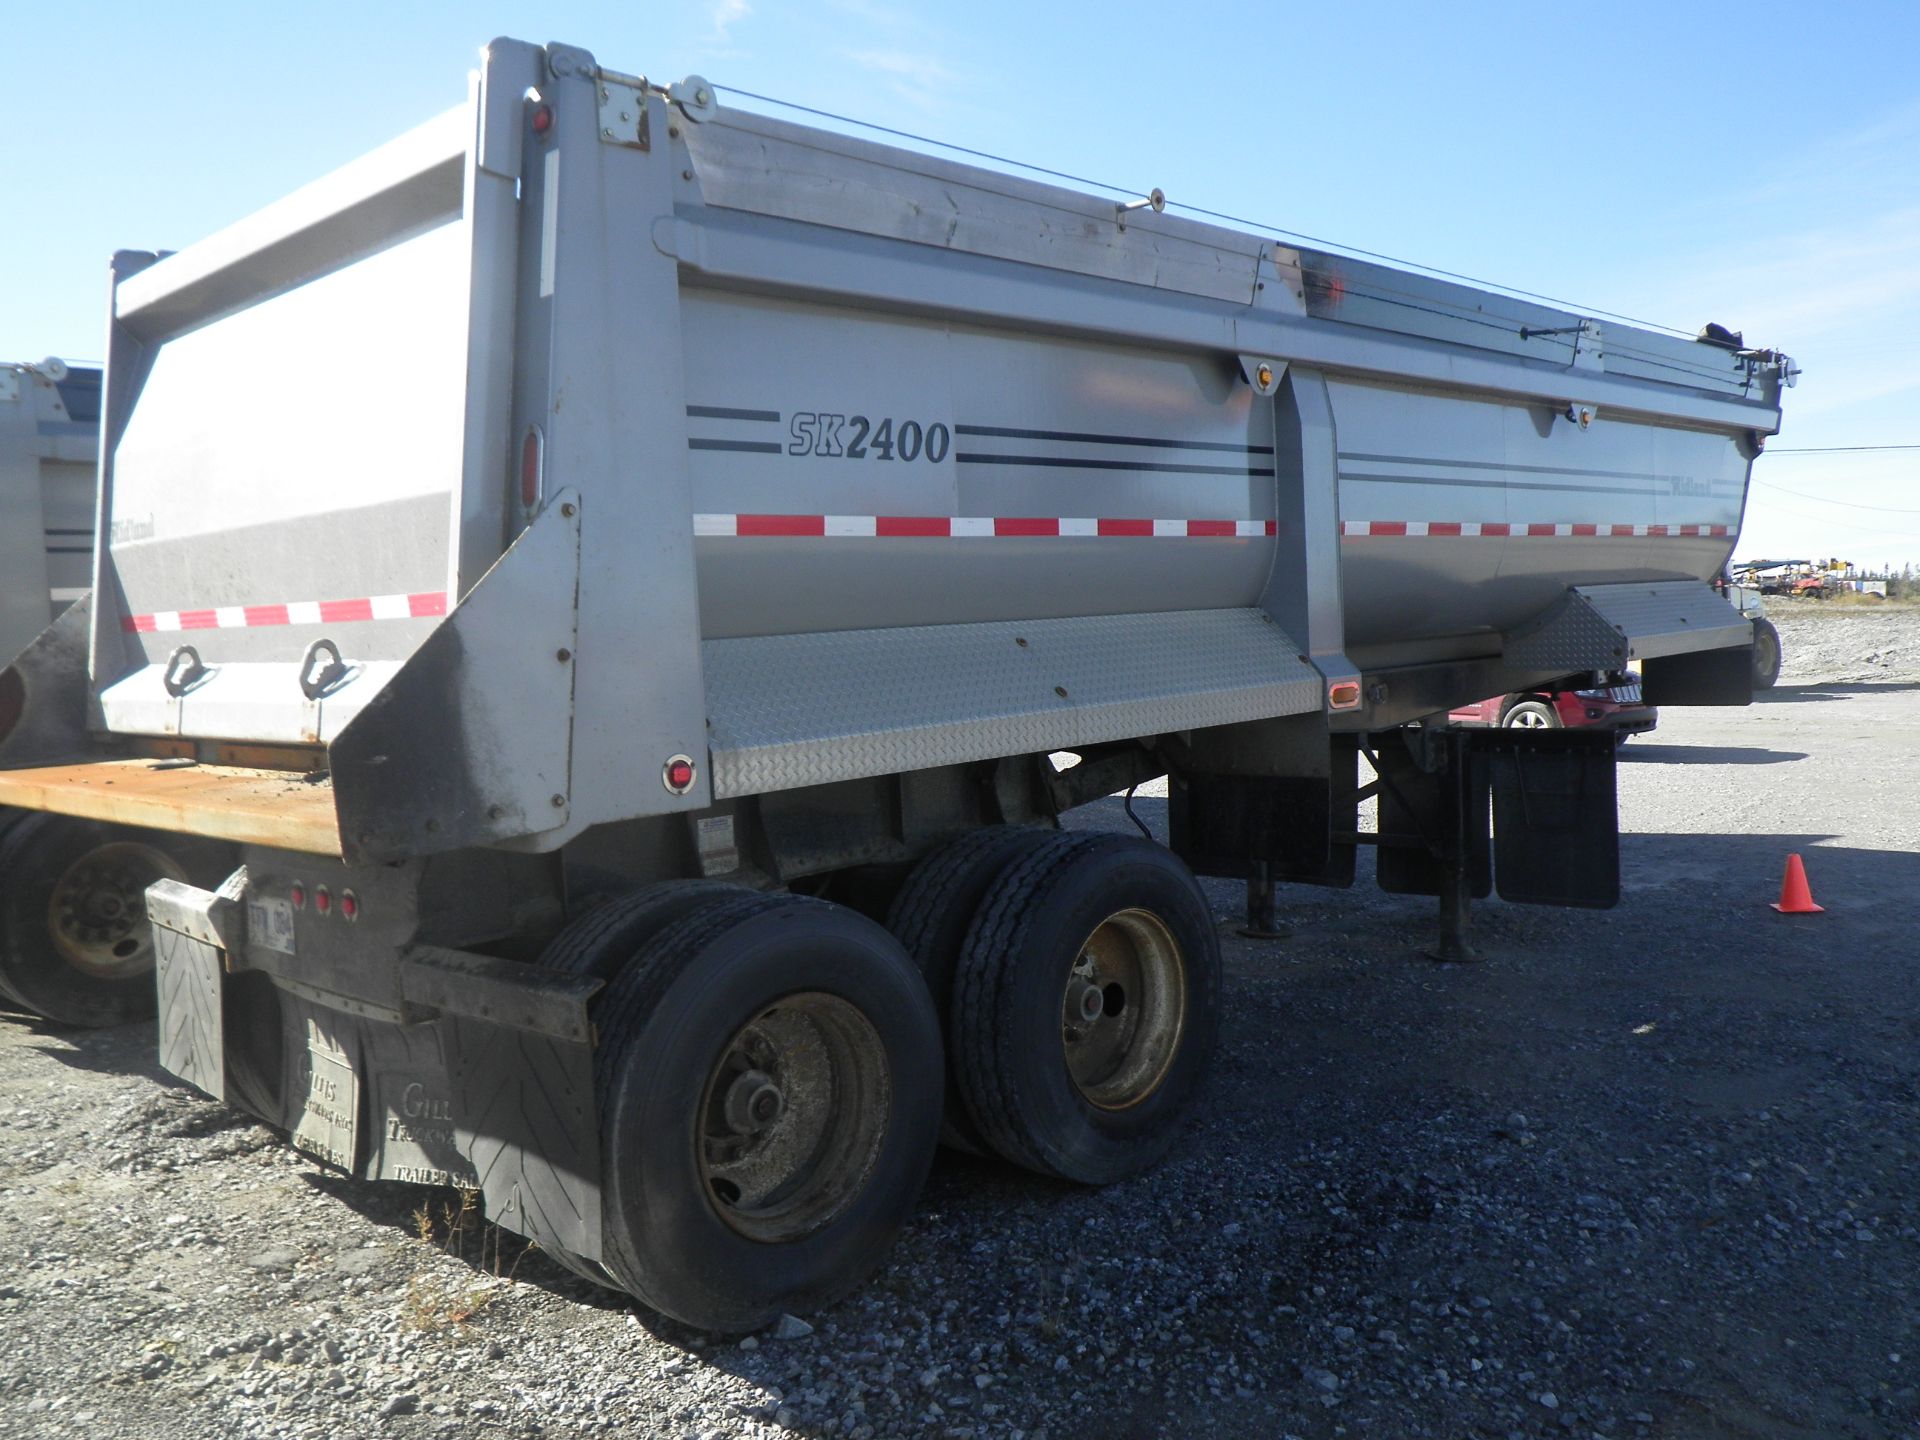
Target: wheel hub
x,y
1124,1010
793,1118
97,913
753,1103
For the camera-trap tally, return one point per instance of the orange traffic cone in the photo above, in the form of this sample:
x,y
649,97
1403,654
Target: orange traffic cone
x,y
1795,897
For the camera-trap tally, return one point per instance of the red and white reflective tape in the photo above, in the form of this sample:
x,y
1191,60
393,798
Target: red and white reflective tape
x,y
433,603
962,527
1502,529
424,605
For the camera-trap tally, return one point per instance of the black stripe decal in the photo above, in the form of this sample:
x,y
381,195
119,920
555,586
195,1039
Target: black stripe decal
x,y
1005,432
1451,482
748,447
1069,462
69,549
728,412
1517,469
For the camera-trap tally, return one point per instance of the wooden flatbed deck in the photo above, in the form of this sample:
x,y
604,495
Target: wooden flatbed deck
x,y
281,808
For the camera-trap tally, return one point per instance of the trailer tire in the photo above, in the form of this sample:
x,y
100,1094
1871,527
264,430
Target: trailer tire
x,y
615,926
841,1087
74,943
591,1271
1086,1007
931,916
1529,715
1766,655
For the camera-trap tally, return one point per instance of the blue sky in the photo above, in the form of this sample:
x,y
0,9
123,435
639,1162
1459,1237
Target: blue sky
x,y
1758,166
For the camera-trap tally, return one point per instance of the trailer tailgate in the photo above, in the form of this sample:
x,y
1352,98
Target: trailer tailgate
x,y
289,418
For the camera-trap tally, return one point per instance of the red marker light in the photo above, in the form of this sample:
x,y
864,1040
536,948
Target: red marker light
x,y
542,119
678,774
1344,694
298,895
322,901
349,905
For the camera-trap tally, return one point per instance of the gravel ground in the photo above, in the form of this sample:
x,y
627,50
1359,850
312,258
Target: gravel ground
x,y
1641,1173
1846,640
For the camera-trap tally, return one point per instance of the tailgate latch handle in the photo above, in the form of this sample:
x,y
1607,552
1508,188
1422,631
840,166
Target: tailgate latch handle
x,y
321,669
184,669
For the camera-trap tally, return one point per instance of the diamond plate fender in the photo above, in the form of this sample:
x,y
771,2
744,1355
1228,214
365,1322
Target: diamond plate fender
x,y
1602,627
795,710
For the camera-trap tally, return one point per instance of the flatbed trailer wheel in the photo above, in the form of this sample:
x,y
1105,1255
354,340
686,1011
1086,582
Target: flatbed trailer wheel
x,y
769,1087
75,945
1086,1007
931,916
1766,655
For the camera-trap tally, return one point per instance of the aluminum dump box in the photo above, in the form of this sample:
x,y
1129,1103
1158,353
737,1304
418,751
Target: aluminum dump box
x,y
784,439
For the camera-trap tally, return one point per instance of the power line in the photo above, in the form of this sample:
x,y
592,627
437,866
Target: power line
x,y
1832,524
1824,500
1835,449
1199,210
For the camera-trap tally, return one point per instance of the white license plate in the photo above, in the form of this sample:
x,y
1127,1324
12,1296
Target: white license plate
x,y
270,924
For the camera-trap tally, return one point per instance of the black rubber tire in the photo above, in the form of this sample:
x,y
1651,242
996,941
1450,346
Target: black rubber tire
x,y
1538,708
611,923
1005,1034
616,926
35,853
1766,655
931,916
664,1024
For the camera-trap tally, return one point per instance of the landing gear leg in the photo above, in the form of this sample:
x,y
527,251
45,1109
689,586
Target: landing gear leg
x,y
1261,922
1456,903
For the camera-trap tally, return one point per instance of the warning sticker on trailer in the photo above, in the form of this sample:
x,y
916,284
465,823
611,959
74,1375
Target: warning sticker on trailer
x,y
270,924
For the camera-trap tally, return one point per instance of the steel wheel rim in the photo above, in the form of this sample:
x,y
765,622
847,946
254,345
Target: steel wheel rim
x,y
1124,1009
97,914
792,1118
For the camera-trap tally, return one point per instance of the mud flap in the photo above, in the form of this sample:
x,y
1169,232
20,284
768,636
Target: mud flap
x,y
1712,677
1433,805
192,931
517,1048
1556,819
530,1130
1270,793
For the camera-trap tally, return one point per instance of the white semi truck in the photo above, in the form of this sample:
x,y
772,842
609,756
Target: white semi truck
x,y
627,753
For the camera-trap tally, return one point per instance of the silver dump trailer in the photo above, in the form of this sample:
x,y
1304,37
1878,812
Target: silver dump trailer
x,y
632,746
49,457
49,448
